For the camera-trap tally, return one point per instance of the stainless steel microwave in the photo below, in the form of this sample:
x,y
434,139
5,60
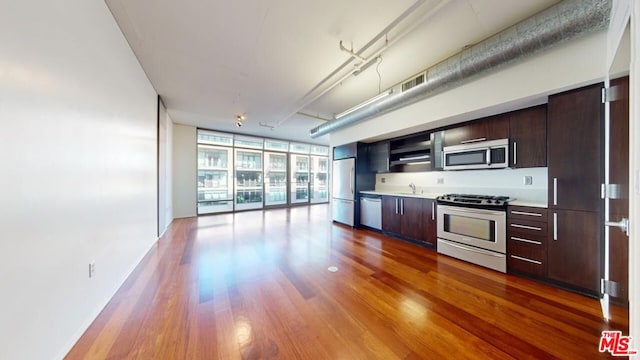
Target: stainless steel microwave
x,y
493,154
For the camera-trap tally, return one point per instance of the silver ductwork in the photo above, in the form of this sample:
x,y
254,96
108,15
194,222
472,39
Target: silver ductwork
x,y
560,23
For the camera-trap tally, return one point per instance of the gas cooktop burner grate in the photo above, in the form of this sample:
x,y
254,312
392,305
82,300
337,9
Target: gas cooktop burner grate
x,y
475,200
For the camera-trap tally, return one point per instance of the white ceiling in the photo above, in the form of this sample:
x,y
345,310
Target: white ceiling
x,y
272,60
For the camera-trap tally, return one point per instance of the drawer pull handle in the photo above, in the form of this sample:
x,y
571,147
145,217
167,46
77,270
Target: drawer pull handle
x,y
515,212
473,140
527,260
433,210
526,227
526,240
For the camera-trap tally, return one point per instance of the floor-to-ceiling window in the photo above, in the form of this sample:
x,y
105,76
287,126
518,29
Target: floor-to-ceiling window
x,y
239,172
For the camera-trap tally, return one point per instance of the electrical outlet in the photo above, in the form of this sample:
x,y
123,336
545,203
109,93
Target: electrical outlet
x,y
528,180
92,269
383,180
440,180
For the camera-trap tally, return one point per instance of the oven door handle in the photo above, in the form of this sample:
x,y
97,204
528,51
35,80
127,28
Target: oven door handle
x,y
479,212
483,252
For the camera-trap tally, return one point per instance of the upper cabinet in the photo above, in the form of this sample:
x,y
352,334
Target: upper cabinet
x,y
575,149
345,151
379,156
490,128
526,130
528,137
410,153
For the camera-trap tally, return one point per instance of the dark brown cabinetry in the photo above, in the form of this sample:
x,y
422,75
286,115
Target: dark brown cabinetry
x,y
403,216
379,156
490,128
575,149
528,137
574,249
575,162
527,240
410,153
430,225
391,215
412,222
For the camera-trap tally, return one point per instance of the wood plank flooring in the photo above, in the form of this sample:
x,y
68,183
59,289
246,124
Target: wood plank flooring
x,y
255,285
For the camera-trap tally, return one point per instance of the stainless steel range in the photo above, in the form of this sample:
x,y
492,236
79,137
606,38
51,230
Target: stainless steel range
x,y
473,228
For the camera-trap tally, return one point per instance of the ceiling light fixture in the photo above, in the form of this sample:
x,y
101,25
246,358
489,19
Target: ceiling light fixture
x,y
361,105
239,119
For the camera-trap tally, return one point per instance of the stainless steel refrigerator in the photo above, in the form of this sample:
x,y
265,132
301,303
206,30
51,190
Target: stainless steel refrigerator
x,y
343,196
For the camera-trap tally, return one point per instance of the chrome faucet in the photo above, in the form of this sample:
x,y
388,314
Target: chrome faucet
x,y
413,187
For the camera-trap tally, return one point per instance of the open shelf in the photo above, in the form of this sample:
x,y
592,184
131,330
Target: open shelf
x,y
410,153
423,146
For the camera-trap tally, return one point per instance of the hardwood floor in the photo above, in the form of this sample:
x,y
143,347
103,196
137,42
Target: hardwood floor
x,y
255,285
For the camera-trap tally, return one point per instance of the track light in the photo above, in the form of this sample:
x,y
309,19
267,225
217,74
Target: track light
x,y
239,119
370,101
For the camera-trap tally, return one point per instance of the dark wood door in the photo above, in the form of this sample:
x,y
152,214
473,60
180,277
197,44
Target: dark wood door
x,y
411,218
573,250
619,174
528,137
491,128
575,149
430,221
391,214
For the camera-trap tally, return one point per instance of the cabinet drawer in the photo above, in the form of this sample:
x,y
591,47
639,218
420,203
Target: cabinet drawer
x,y
528,251
527,213
533,228
517,264
520,238
526,258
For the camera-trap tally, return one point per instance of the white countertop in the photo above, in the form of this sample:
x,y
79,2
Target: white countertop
x,y
418,194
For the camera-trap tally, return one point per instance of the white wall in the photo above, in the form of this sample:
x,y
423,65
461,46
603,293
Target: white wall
x,y
165,157
506,182
184,170
568,66
78,183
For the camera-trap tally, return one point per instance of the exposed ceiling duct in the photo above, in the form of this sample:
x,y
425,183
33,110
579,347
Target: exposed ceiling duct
x,y
563,22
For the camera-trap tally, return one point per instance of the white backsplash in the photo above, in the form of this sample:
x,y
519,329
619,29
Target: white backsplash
x,y
507,182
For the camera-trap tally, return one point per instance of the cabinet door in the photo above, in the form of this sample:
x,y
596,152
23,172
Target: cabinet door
x,y
411,218
345,151
430,222
470,132
391,214
575,149
379,156
491,128
528,137
573,249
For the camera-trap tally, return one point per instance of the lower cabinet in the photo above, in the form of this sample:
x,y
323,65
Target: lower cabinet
x,y
409,218
527,240
574,249
391,216
430,222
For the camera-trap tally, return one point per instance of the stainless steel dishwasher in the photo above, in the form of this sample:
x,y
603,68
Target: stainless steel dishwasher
x,y
371,212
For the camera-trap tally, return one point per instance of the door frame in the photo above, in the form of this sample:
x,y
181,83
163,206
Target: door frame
x,y
634,173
